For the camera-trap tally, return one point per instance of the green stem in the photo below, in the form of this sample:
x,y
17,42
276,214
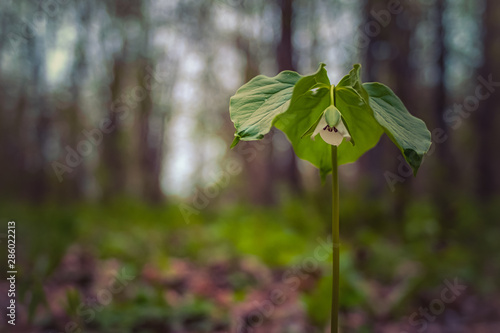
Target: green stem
x,y
332,94
335,230
336,242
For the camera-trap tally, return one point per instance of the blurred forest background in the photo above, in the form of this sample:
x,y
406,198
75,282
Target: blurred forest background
x,y
132,214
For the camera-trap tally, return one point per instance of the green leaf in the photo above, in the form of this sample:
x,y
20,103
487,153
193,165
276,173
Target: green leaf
x,y
305,111
311,86
353,79
235,142
301,117
348,130
407,132
256,104
360,121
295,105
308,102
332,116
311,129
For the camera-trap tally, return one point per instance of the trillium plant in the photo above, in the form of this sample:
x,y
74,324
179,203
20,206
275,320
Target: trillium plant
x,y
349,117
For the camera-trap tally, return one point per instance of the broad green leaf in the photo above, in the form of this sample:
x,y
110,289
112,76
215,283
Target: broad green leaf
x,y
304,112
360,121
310,98
295,104
256,104
407,132
310,86
311,129
353,79
345,81
299,119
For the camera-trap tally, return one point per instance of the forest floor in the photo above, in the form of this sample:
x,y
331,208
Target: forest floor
x,y
126,267
232,296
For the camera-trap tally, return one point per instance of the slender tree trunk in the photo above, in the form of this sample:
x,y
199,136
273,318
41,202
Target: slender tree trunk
x,y
150,141
13,180
284,54
39,184
445,175
393,68
372,163
285,47
487,114
112,152
73,187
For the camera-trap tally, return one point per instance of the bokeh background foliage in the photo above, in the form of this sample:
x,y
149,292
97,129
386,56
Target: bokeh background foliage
x,y
114,142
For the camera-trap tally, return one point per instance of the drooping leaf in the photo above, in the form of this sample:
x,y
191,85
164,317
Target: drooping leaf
x,y
256,104
310,98
309,87
305,111
407,132
235,142
295,104
360,121
311,129
299,119
353,79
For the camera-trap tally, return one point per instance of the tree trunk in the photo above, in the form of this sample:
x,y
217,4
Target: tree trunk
x,y
393,68
112,153
284,55
445,175
39,183
151,130
487,180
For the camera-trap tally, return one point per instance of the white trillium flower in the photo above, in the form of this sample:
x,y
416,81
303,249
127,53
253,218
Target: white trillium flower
x,y
332,131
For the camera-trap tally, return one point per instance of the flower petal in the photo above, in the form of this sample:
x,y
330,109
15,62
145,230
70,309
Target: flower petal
x,y
332,138
343,130
322,124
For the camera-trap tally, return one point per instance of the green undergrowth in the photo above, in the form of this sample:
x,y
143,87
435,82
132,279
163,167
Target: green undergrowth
x,y
414,253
